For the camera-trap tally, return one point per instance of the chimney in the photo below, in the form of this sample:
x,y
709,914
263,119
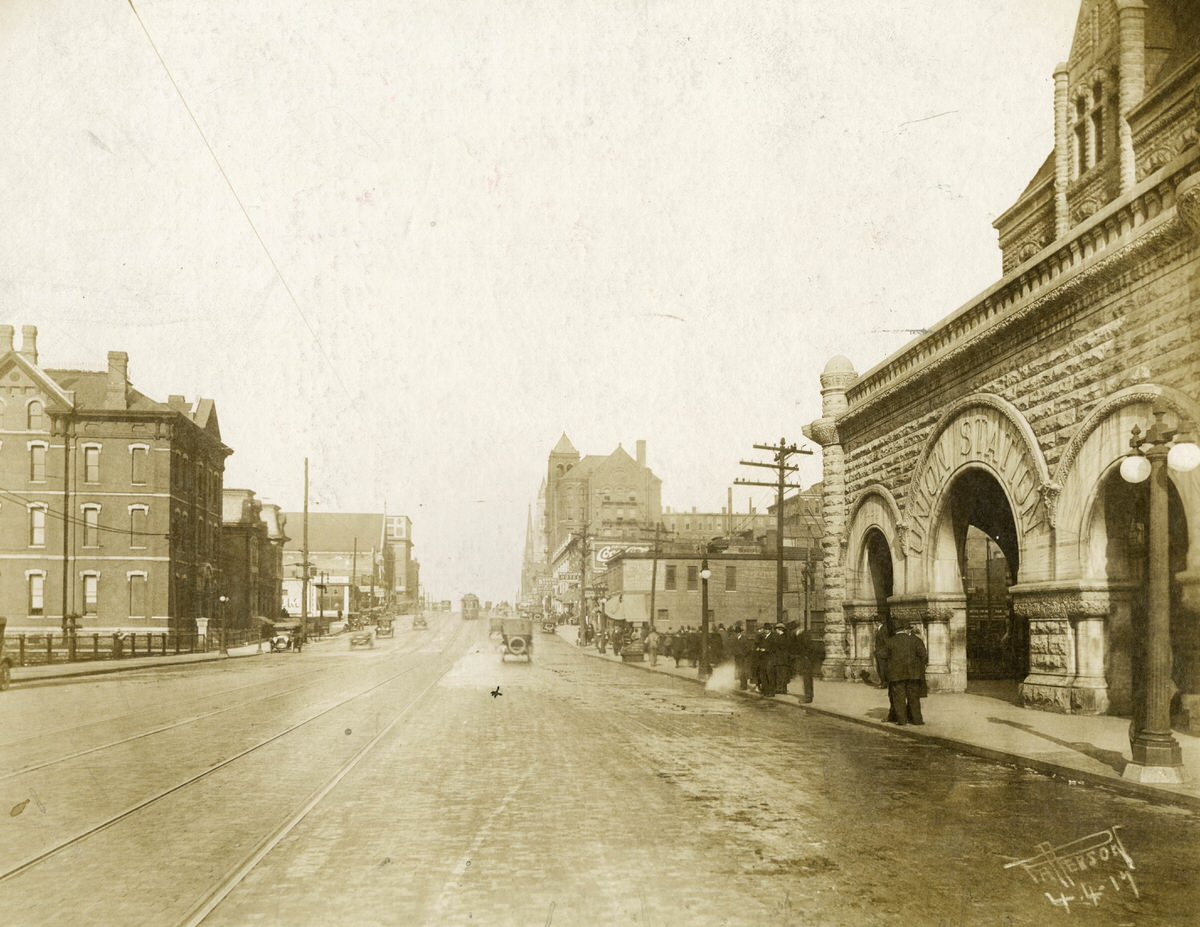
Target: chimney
x,y
6,338
115,396
641,453
29,343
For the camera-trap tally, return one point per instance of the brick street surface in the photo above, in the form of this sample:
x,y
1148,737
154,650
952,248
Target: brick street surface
x,y
584,793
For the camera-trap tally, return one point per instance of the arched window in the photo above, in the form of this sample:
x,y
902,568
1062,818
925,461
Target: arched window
x,y
36,416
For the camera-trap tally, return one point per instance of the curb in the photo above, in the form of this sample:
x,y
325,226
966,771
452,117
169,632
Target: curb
x,y
106,670
1148,793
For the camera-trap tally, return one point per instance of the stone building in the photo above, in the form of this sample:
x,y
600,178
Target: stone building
x,y
1009,419
252,539
139,481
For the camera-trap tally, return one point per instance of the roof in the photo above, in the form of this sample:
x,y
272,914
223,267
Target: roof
x,y
91,386
336,532
564,446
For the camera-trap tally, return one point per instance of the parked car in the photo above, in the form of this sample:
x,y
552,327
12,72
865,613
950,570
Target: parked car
x,y
385,628
419,623
364,638
548,627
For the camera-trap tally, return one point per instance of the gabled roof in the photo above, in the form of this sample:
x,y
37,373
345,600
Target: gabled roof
x,y
91,387
59,396
336,532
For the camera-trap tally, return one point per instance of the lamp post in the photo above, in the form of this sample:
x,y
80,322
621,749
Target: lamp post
x,y
224,638
705,573
1156,753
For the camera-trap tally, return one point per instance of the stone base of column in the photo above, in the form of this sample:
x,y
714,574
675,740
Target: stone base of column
x,y
1047,692
1156,759
1089,695
834,670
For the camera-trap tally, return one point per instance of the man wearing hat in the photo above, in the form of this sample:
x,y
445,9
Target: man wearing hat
x,y
780,657
742,648
905,657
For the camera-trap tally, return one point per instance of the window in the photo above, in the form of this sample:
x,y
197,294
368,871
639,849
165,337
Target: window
x,y
37,463
37,593
731,579
137,463
91,526
693,578
662,615
36,417
1098,123
137,595
137,526
91,591
37,526
91,464
1081,152
670,579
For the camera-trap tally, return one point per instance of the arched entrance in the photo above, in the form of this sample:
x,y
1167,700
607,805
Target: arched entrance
x,y
1118,549
979,535
879,571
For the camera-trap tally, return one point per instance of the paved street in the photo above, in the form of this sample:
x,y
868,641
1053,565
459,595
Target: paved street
x,y
583,793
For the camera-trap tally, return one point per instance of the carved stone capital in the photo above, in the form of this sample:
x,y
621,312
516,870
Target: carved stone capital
x,y
1187,202
1050,493
1057,602
824,431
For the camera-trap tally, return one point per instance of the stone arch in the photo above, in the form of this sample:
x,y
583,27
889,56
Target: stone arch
x,y
874,570
1093,451
874,508
986,431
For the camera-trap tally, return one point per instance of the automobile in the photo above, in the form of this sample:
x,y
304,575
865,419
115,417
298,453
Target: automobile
x,y
363,638
548,627
385,628
419,623
517,635
281,636
5,659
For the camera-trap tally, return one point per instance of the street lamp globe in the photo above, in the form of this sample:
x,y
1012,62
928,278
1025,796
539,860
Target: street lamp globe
x,y
706,573
1184,457
1135,469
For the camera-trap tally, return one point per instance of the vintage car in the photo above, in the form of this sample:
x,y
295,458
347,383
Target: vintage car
x,y
419,623
5,659
282,635
362,638
549,627
517,637
385,628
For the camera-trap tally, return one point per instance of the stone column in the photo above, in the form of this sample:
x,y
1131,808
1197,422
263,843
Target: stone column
x,y
837,377
942,622
1132,81
1062,153
860,617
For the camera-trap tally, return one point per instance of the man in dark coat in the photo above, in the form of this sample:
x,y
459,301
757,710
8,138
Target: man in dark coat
x,y
780,659
906,659
882,633
804,657
762,661
679,645
693,646
742,648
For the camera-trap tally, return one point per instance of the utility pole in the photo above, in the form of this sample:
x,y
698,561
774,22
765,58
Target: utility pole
x,y
304,553
654,570
782,452
583,555
354,579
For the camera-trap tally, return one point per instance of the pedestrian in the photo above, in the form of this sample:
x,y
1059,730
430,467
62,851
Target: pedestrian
x,y
118,644
742,648
805,656
679,645
762,661
780,658
298,641
716,648
883,631
652,646
693,646
906,658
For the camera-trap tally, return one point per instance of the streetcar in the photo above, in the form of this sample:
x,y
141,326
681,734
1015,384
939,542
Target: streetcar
x,y
470,607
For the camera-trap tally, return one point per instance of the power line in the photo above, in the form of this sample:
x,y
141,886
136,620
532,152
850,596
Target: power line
x,y
253,228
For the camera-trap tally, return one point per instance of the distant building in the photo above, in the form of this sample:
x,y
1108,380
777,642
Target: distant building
x,y
356,560
139,481
251,560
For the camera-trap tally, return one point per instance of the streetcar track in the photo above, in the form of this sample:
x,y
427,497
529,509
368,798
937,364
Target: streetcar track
x,y
111,821
176,724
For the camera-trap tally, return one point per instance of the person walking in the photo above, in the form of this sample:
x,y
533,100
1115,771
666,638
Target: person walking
x,y
906,658
652,646
693,646
679,645
742,648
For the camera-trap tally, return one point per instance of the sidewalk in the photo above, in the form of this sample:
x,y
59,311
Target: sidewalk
x,y
22,674
1080,748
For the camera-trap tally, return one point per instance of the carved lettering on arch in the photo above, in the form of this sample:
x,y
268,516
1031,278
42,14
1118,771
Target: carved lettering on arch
x,y
990,436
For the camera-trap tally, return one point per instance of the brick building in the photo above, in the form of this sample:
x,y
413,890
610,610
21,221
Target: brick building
x,y
252,539
741,588
140,484
1009,419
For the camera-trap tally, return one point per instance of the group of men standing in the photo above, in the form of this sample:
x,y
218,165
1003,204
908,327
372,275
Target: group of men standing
x,y
774,656
900,659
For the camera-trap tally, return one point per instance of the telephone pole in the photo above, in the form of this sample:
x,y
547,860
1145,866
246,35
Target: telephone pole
x,y
654,568
304,584
583,555
782,452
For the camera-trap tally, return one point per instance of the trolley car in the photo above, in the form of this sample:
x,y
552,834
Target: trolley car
x,y
470,607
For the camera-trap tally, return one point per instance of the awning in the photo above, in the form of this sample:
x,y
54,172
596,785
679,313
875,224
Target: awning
x,y
631,606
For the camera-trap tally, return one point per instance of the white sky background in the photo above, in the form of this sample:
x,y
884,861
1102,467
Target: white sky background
x,y
504,220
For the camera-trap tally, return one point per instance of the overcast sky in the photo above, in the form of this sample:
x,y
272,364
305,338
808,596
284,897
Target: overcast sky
x,y
502,220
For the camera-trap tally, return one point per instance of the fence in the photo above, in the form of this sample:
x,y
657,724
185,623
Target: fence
x,y
43,649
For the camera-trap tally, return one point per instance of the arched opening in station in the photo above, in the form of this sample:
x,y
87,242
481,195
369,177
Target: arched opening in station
x,y
988,561
1119,550
879,572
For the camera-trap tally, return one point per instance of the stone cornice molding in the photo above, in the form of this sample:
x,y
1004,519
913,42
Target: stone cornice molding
x,y
1136,226
1148,393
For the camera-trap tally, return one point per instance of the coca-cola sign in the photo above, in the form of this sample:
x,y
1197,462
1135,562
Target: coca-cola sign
x,y
606,553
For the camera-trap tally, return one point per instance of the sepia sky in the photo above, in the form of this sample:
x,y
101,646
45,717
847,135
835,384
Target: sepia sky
x,y
502,220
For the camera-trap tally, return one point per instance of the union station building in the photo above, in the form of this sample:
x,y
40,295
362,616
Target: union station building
x,y
971,480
